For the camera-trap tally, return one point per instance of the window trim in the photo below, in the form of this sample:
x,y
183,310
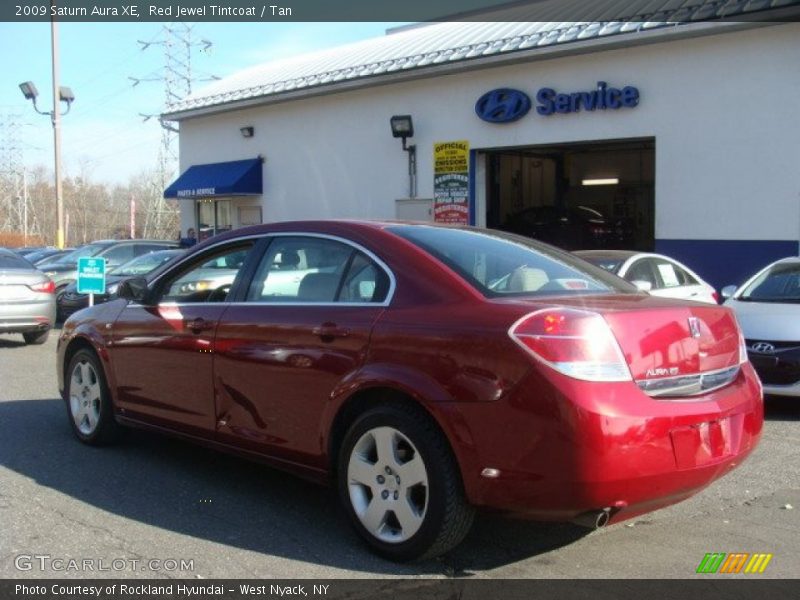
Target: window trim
x,y
267,237
371,255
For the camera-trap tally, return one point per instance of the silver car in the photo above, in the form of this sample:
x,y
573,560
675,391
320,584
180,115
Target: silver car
x,y
27,299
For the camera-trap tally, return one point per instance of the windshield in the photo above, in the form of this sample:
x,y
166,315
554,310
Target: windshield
x,y
501,264
141,265
87,250
779,283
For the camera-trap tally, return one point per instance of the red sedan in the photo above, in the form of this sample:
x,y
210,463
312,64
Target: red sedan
x,y
425,371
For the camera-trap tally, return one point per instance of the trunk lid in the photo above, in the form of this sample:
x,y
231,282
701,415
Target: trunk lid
x,y
662,338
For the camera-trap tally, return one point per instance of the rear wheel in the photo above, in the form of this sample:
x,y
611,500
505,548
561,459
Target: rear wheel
x,y
400,485
36,337
89,407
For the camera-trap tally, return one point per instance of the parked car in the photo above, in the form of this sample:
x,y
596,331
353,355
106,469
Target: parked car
x,y
27,299
116,252
768,309
657,274
70,301
25,250
426,371
567,228
41,257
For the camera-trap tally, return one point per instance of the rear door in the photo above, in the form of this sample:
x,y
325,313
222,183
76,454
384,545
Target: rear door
x,y
300,328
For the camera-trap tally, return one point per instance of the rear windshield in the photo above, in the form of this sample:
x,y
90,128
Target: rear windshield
x,y
501,264
12,261
779,283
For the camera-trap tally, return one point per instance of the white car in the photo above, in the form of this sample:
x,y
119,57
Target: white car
x,y
657,274
768,309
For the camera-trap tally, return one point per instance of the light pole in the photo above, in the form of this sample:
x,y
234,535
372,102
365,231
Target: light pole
x,y
60,94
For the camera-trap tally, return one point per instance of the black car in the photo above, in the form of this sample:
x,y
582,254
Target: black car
x,y
115,252
579,228
70,301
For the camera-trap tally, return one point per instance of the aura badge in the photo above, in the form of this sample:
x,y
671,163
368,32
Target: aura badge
x,y
736,562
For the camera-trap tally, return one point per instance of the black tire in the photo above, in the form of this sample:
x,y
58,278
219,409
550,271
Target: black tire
x,y
105,429
446,517
36,337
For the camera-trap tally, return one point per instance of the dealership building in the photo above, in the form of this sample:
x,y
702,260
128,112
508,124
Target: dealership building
x,y
684,138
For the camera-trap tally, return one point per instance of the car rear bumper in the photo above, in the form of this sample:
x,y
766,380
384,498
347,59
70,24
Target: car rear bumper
x,y
29,316
613,448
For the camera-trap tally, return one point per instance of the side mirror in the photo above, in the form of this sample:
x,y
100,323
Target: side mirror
x,y
133,289
728,291
642,286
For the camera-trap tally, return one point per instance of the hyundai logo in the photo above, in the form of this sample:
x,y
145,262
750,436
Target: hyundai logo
x,y
763,348
502,105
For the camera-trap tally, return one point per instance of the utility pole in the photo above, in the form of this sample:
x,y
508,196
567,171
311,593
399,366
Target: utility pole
x,y
177,77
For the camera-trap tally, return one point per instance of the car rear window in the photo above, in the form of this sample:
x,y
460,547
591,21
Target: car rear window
x,y
12,261
501,264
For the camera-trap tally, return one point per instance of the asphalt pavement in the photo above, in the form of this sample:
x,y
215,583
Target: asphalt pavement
x,y
152,506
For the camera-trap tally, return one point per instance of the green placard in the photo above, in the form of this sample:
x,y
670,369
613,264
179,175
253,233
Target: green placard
x,y
91,275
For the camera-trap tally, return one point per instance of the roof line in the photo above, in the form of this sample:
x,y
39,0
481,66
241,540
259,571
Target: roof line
x,y
665,32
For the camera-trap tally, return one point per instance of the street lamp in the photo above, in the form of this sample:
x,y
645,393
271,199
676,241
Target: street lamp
x,y
403,127
60,94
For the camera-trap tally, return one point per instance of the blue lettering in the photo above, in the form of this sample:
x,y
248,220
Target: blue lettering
x,y
562,103
589,100
545,97
612,98
630,96
601,94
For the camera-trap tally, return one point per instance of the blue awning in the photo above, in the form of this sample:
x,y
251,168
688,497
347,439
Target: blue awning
x,y
234,178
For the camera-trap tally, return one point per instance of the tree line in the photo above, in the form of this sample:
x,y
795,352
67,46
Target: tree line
x,y
92,210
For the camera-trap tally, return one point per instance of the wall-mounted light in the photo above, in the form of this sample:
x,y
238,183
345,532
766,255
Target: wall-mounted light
x,y
605,181
403,127
248,131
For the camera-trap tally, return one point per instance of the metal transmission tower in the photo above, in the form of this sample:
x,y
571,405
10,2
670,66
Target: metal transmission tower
x,y
14,204
177,76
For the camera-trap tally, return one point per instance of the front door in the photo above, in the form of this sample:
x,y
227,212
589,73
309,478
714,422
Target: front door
x,y
162,350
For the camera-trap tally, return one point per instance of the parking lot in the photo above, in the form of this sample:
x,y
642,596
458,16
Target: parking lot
x,y
156,507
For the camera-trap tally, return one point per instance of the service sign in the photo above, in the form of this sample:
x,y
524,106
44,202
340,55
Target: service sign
x,y
91,275
451,182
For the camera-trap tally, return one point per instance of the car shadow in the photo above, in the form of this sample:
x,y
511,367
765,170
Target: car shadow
x,y
6,341
194,491
781,408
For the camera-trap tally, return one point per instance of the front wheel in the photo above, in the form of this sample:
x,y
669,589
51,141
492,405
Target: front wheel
x,y
400,486
89,407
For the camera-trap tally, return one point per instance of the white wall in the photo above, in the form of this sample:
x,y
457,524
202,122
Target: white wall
x,y
722,109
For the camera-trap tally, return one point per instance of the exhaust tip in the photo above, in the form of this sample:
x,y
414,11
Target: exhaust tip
x,y
593,519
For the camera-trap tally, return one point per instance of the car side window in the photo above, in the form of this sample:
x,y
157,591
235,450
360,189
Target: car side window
x,y
682,276
140,249
316,270
642,270
673,275
208,279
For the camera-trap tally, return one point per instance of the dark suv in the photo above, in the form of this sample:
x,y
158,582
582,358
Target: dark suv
x,y
116,252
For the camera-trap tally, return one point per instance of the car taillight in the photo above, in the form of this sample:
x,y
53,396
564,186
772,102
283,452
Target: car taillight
x,y
715,296
743,358
577,343
47,287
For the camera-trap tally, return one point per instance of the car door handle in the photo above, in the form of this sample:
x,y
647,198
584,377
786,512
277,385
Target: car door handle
x,y
330,330
199,324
